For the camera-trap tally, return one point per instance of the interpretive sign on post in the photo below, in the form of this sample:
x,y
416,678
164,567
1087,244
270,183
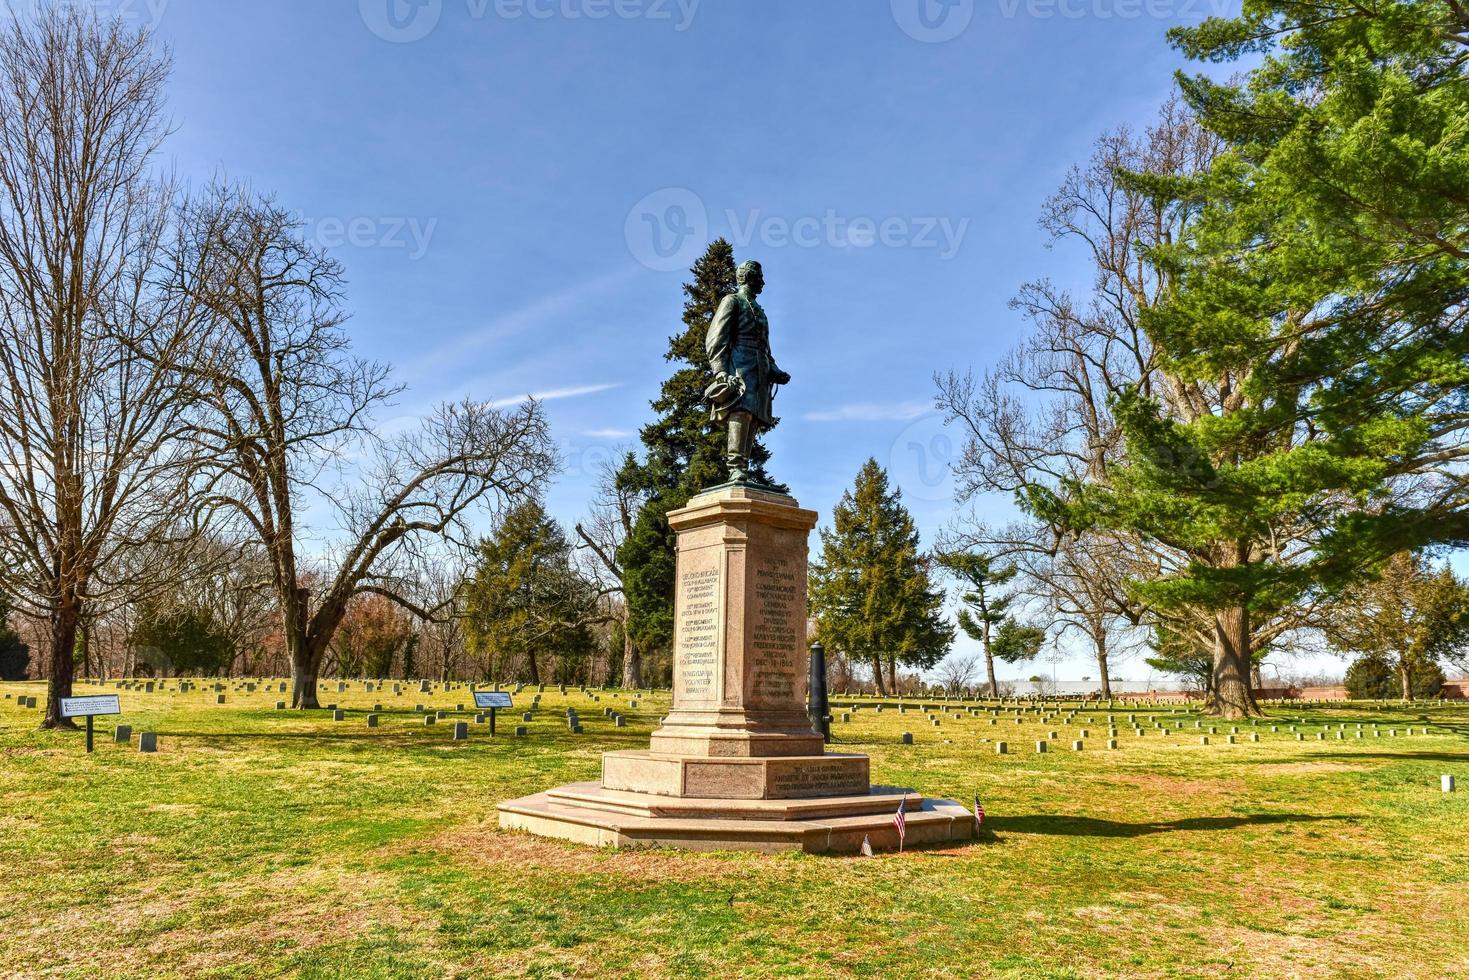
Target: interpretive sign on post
x,y
89,707
494,700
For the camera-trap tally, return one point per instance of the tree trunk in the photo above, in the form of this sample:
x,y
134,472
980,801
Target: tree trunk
x,y
64,623
1233,698
882,690
535,671
632,660
305,658
989,660
1406,677
304,669
1099,637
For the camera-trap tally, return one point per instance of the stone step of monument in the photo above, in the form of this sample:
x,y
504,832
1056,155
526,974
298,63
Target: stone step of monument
x,y
936,822
737,777
882,799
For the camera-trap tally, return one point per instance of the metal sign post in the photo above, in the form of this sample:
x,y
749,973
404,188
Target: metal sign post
x,y
492,700
89,708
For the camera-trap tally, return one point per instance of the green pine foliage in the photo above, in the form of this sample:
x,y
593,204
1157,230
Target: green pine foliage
x,y
1376,678
1410,616
1176,656
182,640
683,455
15,656
872,592
1317,312
985,614
527,600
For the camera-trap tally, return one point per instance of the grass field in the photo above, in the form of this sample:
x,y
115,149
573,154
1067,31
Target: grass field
x,y
259,842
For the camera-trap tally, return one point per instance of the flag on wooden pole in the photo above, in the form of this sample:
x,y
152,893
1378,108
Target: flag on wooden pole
x,y
900,820
978,812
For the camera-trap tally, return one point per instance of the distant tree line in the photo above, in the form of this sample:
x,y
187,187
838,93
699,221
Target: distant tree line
x,y
179,393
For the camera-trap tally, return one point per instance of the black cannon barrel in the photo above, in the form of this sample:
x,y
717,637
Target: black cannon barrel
x,y
817,706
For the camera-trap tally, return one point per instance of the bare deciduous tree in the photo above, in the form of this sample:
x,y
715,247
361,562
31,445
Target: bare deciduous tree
x,y
957,672
290,426
91,323
608,524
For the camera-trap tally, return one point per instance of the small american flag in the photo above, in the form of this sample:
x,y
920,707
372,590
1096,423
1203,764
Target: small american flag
x,y
900,820
978,811
866,846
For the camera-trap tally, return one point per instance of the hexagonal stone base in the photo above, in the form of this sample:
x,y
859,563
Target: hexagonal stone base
x,y
585,813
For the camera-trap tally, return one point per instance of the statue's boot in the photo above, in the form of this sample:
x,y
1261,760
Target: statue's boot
x,y
737,452
741,444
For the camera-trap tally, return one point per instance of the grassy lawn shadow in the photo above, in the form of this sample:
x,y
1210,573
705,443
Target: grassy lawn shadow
x,y
1061,824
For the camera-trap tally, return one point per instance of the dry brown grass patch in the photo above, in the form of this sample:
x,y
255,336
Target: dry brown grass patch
x,y
486,846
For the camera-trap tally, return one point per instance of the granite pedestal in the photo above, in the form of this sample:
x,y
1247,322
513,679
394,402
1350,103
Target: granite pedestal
x,y
737,764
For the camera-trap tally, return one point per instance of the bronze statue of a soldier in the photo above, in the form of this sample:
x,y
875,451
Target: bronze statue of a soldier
x,y
745,372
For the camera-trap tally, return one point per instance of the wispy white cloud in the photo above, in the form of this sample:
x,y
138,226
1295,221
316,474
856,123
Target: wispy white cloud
x,y
553,394
608,434
537,313
873,412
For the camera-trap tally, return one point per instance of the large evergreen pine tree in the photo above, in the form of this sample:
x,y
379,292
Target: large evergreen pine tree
x,y
683,455
871,591
1318,309
526,598
15,656
985,615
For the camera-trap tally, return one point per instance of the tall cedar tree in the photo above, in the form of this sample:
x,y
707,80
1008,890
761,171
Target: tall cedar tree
x,y
182,640
872,593
1377,678
15,656
527,598
1322,296
683,455
1411,618
985,616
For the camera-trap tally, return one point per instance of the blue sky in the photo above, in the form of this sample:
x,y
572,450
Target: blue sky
x,y
516,187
